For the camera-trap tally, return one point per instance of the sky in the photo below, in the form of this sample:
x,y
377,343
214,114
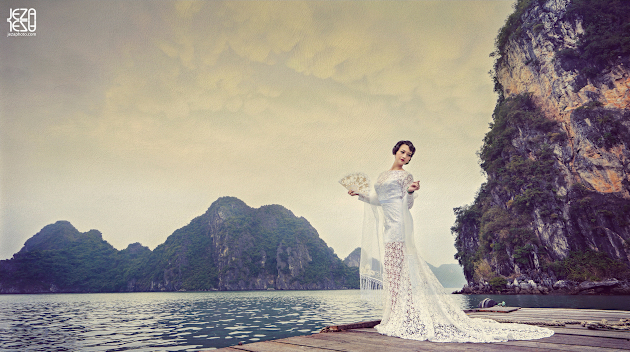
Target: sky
x,y
133,117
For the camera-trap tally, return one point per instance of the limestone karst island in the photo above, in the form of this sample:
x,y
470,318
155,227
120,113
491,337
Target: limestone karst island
x,y
231,247
554,214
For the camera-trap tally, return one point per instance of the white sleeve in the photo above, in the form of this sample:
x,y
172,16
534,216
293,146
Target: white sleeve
x,y
406,183
371,199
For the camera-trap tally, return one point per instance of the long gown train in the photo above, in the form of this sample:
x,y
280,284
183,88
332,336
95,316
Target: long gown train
x,y
393,274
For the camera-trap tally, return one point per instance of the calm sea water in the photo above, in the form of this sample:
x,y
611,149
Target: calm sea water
x,y
193,321
542,301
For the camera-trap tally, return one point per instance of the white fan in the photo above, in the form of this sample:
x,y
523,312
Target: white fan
x,y
357,182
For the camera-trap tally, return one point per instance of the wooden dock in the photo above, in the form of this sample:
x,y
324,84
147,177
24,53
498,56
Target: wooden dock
x,y
569,335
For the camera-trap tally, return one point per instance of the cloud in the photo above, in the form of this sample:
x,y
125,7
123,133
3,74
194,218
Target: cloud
x,y
400,51
164,106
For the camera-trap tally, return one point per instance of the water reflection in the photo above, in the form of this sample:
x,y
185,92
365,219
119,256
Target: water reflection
x,y
170,321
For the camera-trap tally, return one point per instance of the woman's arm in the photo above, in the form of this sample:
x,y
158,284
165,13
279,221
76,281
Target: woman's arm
x,y
409,186
372,198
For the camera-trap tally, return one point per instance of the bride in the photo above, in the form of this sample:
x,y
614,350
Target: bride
x,y
416,305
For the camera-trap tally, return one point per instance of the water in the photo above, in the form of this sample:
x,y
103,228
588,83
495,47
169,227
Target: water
x,y
193,321
553,301
178,321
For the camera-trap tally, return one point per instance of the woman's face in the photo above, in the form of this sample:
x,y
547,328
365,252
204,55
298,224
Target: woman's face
x,y
403,155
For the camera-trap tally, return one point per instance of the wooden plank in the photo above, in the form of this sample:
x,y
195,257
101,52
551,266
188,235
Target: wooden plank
x,y
593,341
276,346
367,330
575,331
381,345
367,341
590,313
540,345
313,340
348,342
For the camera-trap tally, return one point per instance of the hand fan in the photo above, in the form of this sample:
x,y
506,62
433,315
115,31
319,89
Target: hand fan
x,y
357,182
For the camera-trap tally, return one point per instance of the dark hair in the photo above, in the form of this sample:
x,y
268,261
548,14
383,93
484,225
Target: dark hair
x,y
412,149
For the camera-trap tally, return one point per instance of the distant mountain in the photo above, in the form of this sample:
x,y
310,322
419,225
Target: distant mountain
x,y
230,247
353,259
61,259
449,275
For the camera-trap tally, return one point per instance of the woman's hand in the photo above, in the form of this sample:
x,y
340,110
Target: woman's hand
x,y
413,187
353,193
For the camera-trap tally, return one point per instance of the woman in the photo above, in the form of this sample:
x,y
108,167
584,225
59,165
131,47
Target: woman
x,y
416,305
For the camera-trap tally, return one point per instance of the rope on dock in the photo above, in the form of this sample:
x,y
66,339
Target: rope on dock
x,y
623,325
361,325
537,322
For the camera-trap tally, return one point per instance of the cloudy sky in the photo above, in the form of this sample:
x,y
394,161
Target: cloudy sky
x,y
132,117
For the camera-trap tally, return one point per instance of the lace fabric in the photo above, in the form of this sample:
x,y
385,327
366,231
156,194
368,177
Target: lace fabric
x,y
415,303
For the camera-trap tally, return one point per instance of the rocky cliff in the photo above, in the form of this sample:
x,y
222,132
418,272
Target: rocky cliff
x,y
354,258
60,259
230,247
235,247
556,204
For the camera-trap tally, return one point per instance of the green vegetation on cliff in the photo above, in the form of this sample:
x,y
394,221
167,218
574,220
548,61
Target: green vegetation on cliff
x,y
553,206
523,175
589,265
61,257
230,247
605,128
497,231
512,30
606,39
604,44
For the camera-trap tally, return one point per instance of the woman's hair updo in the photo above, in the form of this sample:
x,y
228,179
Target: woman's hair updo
x,y
412,149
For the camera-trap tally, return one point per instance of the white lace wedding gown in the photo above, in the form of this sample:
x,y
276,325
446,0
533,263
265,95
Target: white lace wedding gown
x,y
415,303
